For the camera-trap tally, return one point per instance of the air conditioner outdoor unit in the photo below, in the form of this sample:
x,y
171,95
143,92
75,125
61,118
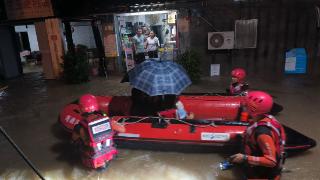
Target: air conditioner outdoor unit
x,y
220,40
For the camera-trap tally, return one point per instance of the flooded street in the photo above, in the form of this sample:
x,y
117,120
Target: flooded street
x,y
30,106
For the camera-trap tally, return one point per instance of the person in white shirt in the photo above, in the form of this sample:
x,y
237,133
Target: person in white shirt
x,y
152,44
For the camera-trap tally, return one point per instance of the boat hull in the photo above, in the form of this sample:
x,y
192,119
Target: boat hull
x,y
216,126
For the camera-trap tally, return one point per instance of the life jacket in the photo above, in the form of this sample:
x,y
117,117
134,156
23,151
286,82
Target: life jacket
x,y
99,132
279,137
238,88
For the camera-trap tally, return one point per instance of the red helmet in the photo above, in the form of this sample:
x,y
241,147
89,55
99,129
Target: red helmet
x,y
258,102
238,73
88,103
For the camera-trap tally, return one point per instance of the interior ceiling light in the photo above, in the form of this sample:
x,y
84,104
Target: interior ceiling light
x,y
147,7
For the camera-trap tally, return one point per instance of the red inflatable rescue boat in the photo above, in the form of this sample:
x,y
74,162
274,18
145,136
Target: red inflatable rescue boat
x,y
215,126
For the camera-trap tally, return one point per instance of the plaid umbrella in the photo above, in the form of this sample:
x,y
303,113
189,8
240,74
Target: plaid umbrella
x,y
156,77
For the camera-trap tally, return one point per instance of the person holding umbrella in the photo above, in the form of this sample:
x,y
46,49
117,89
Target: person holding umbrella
x,y
156,77
154,80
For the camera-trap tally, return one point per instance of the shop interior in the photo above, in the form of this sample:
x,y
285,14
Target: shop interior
x,y
162,23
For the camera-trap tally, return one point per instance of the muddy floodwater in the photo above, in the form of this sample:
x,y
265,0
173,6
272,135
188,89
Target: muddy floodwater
x,y
30,106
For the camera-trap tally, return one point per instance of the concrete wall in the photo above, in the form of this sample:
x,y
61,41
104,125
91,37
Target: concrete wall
x,y
282,26
9,55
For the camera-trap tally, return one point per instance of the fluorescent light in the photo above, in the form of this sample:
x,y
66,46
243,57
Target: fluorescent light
x,y
143,13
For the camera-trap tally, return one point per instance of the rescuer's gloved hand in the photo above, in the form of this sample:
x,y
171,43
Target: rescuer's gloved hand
x,y
238,158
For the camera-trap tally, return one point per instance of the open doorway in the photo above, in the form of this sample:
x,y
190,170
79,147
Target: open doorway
x,y
30,55
162,24
83,37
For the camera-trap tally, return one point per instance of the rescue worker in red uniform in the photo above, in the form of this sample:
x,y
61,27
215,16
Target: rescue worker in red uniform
x,y
95,154
264,140
89,106
238,86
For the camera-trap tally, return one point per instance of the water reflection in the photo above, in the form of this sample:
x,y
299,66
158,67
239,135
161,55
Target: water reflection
x,y
29,109
134,165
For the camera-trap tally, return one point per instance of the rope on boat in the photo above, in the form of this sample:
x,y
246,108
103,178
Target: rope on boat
x,y
167,120
126,123
200,126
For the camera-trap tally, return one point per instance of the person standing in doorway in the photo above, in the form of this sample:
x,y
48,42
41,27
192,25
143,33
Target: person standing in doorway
x,y
138,46
146,32
152,45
